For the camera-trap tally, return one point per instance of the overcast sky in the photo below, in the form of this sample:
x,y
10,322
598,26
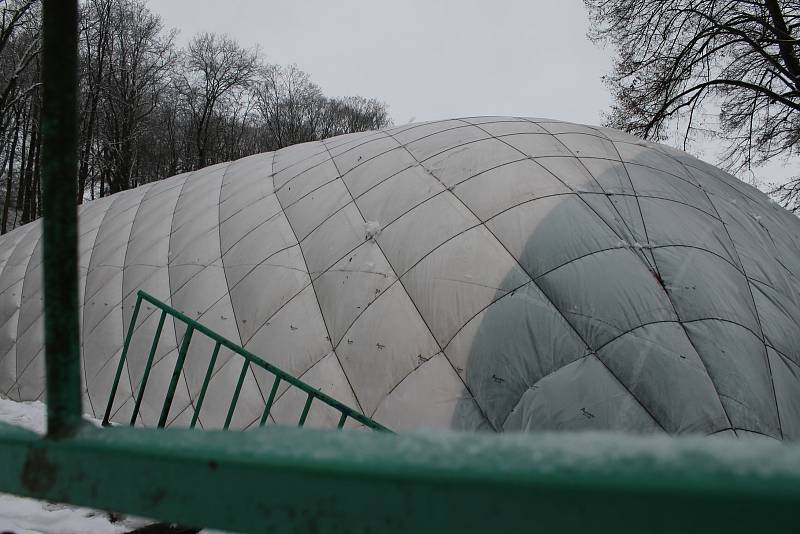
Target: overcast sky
x,y
428,59
432,59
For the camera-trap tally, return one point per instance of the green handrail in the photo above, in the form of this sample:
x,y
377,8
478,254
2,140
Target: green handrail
x,y
249,359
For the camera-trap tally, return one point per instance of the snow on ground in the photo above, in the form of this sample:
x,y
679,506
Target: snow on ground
x,y
26,516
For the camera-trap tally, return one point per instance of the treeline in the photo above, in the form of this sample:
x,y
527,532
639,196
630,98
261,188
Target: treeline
x,y
148,109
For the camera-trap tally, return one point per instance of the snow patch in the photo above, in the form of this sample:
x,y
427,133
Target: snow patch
x,y
29,516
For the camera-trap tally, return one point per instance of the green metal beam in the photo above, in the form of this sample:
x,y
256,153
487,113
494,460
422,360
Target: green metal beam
x,y
287,479
59,227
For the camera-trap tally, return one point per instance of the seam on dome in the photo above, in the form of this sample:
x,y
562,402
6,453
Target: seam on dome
x,y
460,145
623,247
757,283
189,175
444,347
533,386
314,290
277,397
20,374
492,303
83,311
19,306
155,271
330,338
685,165
19,312
225,274
654,147
316,275
249,204
368,140
420,163
643,165
574,329
605,193
752,299
271,218
366,137
414,370
734,429
115,249
479,223
398,277
785,357
669,297
375,138
520,266
302,375
579,196
149,187
386,179
649,197
777,259
235,285
225,168
12,247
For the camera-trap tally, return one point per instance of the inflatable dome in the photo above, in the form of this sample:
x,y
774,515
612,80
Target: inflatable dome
x,y
496,274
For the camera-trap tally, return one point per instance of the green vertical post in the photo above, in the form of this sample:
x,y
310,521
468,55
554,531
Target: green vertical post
x,y
122,359
147,366
199,404
176,373
236,393
305,410
270,400
59,228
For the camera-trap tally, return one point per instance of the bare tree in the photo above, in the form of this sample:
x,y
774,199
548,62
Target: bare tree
x,y
353,114
140,57
214,66
148,111
679,60
19,51
294,109
290,105
93,49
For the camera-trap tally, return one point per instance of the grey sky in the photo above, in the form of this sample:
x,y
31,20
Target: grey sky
x,y
428,59
433,59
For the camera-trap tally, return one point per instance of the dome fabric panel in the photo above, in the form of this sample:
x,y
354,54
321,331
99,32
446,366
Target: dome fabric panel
x,y
486,274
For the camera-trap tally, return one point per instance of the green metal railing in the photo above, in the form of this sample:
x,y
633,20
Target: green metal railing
x,y
249,359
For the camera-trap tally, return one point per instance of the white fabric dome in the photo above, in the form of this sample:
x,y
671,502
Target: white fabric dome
x,y
480,273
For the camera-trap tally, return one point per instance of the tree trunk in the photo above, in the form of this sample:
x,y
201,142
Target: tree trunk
x,y
26,181
10,176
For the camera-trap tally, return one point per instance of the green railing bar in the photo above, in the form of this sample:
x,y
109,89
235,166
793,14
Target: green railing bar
x,y
342,419
274,479
176,373
307,406
148,365
236,392
206,380
286,377
121,363
59,160
270,400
